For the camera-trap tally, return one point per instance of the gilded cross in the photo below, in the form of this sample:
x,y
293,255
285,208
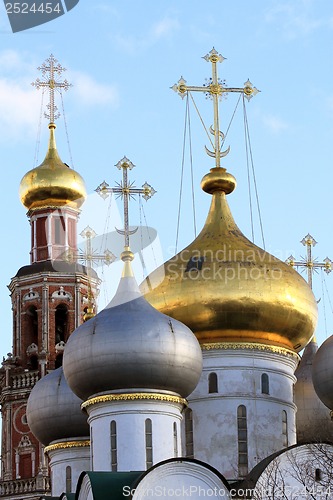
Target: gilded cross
x,y
215,89
51,71
125,190
89,257
309,263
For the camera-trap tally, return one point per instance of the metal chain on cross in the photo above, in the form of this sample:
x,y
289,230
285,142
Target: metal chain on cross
x,y
309,263
51,72
125,190
215,89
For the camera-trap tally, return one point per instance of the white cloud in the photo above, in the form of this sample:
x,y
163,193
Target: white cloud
x,y
275,124
91,93
20,107
20,104
295,19
165,28
160,30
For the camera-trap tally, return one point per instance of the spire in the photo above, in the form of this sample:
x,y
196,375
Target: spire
x,y
51,70
89,257
126,190
309,263
215,89
42,187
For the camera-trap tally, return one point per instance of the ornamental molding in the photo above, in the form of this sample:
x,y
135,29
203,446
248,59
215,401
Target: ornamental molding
x,y
67,445
132,396
250,346
31,295
61,294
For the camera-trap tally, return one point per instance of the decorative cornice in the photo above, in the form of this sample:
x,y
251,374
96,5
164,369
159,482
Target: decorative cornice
x,y
250,345
131,396
67,444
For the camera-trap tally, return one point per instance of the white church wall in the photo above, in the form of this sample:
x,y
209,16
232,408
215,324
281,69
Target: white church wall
x,y
67,460
135,446
239,383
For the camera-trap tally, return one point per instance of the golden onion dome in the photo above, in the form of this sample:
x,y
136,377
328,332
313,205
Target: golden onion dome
x,y
53,183
227,289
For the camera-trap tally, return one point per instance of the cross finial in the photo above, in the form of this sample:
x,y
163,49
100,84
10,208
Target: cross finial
x,y
126,190
308,262
215,89
89,257
51,71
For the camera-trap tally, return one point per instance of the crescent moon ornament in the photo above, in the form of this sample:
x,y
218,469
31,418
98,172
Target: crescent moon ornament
x,y
129,232
213,153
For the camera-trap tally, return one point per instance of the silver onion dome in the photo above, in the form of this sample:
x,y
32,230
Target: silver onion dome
x,y
322,372
313,422
54,411
131,346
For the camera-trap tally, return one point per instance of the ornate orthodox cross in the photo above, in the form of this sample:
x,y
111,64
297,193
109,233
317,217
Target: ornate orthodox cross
x,y
309,263
125,190
215,89
51,71
89,257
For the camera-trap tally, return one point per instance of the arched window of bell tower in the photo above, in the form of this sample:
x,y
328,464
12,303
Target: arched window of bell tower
x,y
212,383
32,326
61,313
58,360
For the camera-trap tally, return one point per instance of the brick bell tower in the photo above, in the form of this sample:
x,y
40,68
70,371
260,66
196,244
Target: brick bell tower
x,y
50,298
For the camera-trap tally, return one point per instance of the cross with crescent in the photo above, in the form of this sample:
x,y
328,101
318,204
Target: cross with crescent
x,y
125,190
308,262
51,69
215,90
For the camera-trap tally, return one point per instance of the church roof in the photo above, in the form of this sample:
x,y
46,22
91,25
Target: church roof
x,y
102,483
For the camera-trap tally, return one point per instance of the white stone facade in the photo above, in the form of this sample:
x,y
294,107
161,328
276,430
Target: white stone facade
x,y
129,435
269,416
67,460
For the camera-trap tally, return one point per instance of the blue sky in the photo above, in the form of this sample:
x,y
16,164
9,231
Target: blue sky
x,y
122,58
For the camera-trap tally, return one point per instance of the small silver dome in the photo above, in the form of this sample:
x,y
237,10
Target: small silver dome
x,y
322,372
54,411
130,345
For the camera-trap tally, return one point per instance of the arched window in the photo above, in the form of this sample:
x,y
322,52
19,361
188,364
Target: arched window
x,y
59,230
264,383
175,440
61,323
32,330
68,479
58,360
189,433
113,433
242,440
318,475
284,428
212,383
149,443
